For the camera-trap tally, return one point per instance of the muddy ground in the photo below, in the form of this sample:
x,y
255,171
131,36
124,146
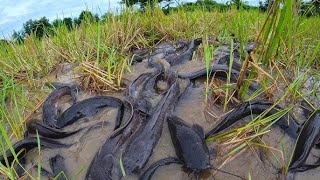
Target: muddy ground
x,y
258,162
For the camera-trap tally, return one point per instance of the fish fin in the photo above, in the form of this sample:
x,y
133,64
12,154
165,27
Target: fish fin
x,y
199,130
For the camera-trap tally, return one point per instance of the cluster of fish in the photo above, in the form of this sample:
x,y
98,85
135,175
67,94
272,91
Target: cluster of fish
x,y
134,138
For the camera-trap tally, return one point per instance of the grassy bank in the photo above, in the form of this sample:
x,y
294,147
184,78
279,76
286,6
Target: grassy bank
x,y
103,48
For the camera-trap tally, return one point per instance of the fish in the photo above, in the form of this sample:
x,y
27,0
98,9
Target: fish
x,y
148,173
190,146
307,139
135,90
187,55
286,123
189,143
141,145
105,164
46,131
90,107
26,145
50,104
220,70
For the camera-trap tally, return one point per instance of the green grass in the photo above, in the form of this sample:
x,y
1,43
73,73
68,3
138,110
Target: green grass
x,y
102,49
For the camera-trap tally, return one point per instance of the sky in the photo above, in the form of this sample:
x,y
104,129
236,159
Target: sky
x,y
13,13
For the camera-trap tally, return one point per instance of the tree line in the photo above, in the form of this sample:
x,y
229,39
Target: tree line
x,y
42,27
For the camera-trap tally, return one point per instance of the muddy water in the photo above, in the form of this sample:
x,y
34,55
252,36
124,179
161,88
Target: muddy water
x,y
258,162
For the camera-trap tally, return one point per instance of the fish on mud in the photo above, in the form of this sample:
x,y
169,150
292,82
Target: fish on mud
x,y
190,146
26,145
33,127
142,143
50,104
105,164
307,139
90,107
148,173
286,123
221,71
189,143
187,55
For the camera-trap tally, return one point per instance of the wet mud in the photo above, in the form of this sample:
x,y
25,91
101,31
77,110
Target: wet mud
x,y
93,131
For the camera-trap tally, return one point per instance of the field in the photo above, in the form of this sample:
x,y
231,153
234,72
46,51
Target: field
x,y
288,54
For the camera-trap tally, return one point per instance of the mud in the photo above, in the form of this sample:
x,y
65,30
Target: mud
x,y
192,108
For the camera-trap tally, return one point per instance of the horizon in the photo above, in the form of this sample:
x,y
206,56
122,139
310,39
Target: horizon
x,y
13,14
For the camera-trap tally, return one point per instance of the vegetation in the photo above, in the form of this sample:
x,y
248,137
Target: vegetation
x,y
102,47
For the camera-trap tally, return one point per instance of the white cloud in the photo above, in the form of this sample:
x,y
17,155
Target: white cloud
x,y
13,13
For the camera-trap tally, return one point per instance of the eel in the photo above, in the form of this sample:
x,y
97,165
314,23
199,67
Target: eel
x,y
189,143
50,104
26,145
142,143
307,139
287,123
90,107
46,131
148,173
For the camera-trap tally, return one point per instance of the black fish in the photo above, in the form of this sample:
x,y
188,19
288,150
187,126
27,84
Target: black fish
x,y
105,165
89,107
46,131
308,137
189,144
27,144
187,55
49,106
148,173
141,145
221,71
134,93
287,122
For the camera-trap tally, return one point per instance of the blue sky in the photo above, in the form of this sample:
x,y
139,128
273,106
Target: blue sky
x,y
13,13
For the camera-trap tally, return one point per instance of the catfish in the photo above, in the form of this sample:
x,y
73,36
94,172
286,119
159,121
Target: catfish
x,y
189,143
141,145
286,123
46,131
307,139
50,104
148,173
105,164
90,107
190,147
25,145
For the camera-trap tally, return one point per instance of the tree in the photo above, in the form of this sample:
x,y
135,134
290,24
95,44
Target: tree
x,y
144,3
263,6
18,36
86,16
39,28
